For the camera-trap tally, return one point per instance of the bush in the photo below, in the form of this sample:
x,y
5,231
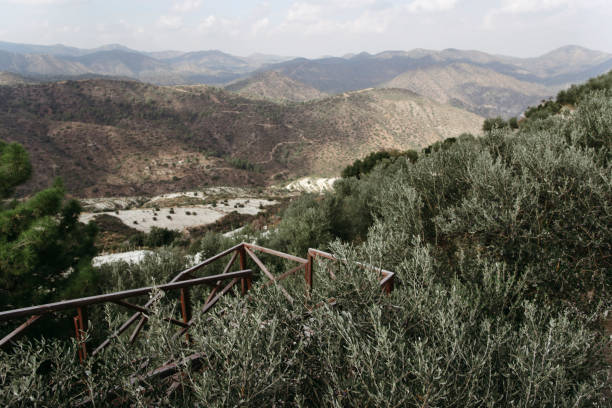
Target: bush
x,y
494,123
157,237
359,167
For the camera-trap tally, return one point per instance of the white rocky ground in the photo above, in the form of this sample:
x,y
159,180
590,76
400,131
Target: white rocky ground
x,y
129,257
312,184
183,217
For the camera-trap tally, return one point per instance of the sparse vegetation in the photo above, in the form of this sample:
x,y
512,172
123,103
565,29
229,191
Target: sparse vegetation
x,y
242,164
155,238
280,136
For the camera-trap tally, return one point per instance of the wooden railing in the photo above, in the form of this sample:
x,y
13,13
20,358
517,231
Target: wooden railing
x,y
181,282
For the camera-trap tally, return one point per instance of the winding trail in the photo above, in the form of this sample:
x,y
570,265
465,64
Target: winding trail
x,y
275,148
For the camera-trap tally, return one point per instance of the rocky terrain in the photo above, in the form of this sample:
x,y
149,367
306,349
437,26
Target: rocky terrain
x,y
274,86
125,138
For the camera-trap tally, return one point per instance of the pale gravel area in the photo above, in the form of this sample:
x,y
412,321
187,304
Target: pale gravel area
x,y
205,214
113,203
134,257
312,184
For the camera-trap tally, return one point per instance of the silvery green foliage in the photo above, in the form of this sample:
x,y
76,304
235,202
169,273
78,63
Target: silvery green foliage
x,y
592,126
432,342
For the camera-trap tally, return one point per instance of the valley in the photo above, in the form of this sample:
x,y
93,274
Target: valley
x,y
126,138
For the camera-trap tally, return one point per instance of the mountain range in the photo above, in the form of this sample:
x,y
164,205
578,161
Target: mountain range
x,y
482,83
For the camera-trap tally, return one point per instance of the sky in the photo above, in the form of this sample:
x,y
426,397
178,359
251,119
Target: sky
x,y
312,28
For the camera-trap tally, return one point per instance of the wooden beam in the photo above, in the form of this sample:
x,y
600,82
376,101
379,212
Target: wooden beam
x,y
276,253
19,329
285,275
267,273
110,297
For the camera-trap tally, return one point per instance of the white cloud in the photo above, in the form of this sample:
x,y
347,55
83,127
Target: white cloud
x,y
221,26
529,6
260,25
304,12
208,23
186,5
522,7
172,22
431,5
41,2
337,16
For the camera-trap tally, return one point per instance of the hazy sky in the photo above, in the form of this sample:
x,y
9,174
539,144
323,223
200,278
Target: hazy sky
x,y
312,28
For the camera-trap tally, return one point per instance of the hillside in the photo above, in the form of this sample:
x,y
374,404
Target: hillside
x,y
124,138
7,78
570,97
166,67
508,86
275,87
492,85
475,88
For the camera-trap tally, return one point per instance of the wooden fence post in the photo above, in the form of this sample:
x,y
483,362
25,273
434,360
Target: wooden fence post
x,y
185,308
308,272
80,326
245,283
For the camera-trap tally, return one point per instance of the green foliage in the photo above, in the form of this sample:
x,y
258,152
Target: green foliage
x,y
15,167
494,123
305,224
592,127
157,237
501,251
45,252
570,97
361,167
243,164
433,342
513,123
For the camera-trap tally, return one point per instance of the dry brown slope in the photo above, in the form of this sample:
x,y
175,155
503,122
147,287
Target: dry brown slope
x,y
274,86
126,138
478,89
377,119
8,78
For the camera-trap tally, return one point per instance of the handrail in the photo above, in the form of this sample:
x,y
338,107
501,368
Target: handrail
x,y
388,277
110,297
240,252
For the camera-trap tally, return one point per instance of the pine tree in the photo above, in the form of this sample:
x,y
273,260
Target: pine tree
x,y
45,252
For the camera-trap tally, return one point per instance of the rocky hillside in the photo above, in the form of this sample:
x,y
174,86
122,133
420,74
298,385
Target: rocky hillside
x,y
475,88
482,83
274,86
7,78
124,138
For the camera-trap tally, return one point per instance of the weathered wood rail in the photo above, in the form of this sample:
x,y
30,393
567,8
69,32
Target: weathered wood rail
x,y
220,285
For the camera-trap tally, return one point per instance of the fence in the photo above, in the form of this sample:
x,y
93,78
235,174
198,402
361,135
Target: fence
x,y
182,282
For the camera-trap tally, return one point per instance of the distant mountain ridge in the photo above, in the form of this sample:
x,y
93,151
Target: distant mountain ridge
x,y
165,67
488,84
